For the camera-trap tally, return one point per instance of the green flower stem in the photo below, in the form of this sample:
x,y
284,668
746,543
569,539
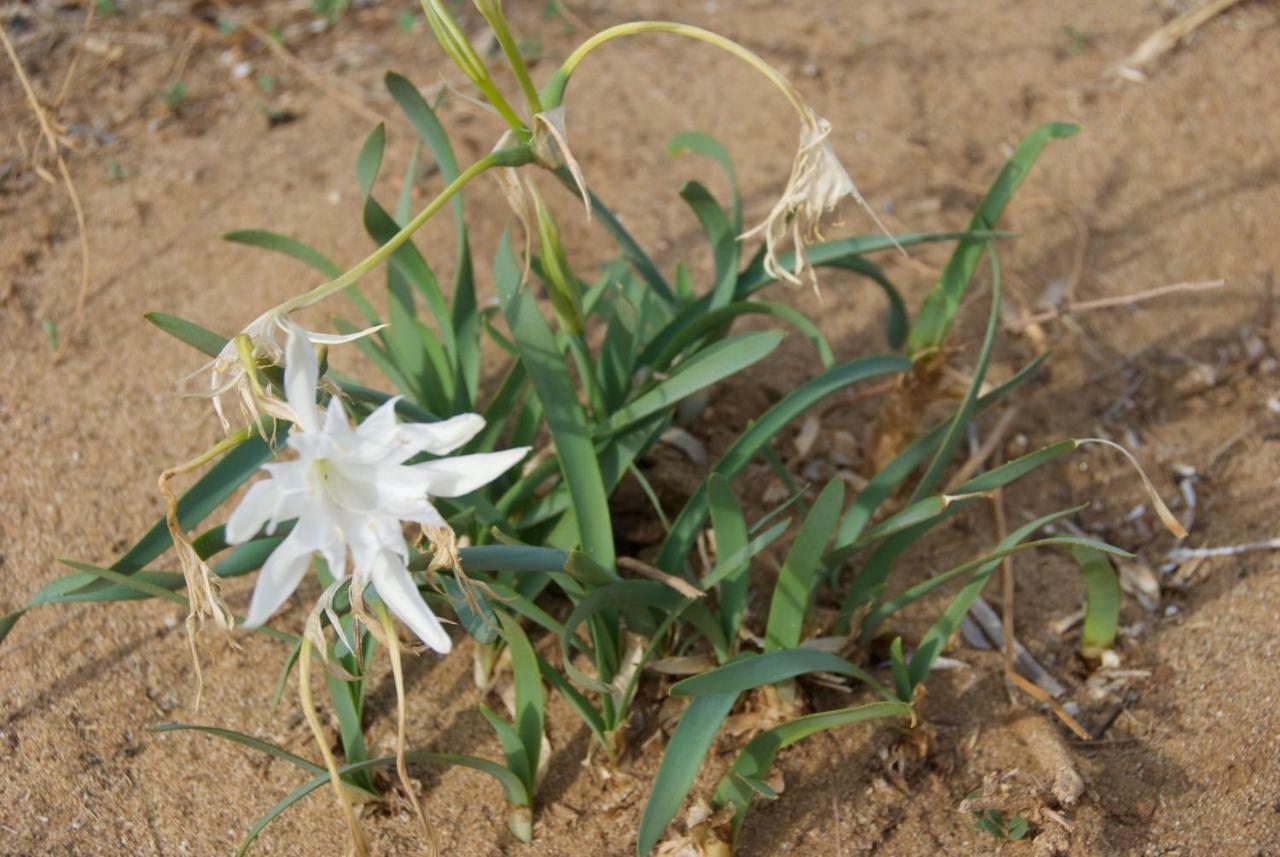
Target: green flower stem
x,y
459,49
492,12
553,93
512,157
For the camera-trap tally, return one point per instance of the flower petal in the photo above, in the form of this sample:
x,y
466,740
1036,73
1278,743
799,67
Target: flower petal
x,y
301,375
277,580
254,510
397,590
462,474
440,438
340,338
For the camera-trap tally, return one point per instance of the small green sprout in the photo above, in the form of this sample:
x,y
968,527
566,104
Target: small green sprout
x,y
174,95
50,328
993,822
106,8
1077,40
406,20
330,9
116,171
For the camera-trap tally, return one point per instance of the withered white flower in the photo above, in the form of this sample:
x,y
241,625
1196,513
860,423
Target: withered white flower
x,y
228,373
817,184
349,490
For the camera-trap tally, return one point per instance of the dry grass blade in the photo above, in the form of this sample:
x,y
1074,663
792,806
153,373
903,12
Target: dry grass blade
x,y
1166,38
684,587
47,132
1038,694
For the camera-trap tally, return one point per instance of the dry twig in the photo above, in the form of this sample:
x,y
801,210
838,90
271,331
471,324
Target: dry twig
x,y
1117,300
1166,38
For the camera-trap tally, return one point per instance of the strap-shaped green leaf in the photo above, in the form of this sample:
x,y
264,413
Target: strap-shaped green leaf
x,y
686,526
530,699
793,591
746,673
565,418
740,785
201,339
1102,600
932,643
719,319
680,764
730,528
941,304
914,593
707,367
723,239
710,147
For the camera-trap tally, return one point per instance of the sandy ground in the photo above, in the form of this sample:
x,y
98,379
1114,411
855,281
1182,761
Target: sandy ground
x,y
1171,180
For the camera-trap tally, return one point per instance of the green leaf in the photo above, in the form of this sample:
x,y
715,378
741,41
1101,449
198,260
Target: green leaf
x,y
834,253
680,764
730,563
941,304
512,747
369,161
635,255
755,760
708,146
292,247
631,595
708,367
246,740
723,239
749,672
673,343
576,700
201,339
482,626
530,699
897,663
510,783
935,639
915,593
208,493
934,473
565,418
464,315
730,529
685,528
875,570
898,322
793,592
1102,600
998,477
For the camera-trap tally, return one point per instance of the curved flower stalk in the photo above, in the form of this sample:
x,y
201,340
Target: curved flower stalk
x,y
350,491
818,181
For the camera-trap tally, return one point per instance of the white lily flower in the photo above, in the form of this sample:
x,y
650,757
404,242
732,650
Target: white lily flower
x,y
817,184
349,490
227,371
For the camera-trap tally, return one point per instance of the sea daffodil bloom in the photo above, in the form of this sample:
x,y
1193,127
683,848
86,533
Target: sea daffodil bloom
x,y
228,372
349,490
